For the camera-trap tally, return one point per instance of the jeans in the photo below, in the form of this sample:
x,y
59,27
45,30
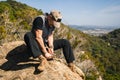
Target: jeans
x,y
35,50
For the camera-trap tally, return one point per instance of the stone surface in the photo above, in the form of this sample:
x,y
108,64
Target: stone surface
x,y
16,64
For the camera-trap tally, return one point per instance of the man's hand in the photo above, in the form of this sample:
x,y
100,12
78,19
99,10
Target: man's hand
x,y
50,50
48,56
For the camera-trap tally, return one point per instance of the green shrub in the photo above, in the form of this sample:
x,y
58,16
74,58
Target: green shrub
x,y
2,32
112,76
4,7
90,78
25,25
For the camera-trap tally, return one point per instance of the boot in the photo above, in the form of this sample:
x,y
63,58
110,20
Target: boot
x,y
76,70
71,66
43,62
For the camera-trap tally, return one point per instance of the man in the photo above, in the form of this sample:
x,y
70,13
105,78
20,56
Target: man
x,y
40,40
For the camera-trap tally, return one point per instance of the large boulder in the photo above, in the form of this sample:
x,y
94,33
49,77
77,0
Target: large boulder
x,y
16,64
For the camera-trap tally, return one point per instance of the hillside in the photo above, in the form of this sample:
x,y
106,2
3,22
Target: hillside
x,y
15,18
104,56
113,40
93,54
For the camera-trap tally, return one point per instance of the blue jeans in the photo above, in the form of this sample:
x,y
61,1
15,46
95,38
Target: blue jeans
x,y
35,50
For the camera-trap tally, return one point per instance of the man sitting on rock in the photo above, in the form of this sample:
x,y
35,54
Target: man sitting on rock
x,y
40,40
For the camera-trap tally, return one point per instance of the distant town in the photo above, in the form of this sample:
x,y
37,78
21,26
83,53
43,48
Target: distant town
x,y
95,30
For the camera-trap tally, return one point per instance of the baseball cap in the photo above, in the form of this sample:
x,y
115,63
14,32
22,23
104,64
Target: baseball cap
x,y
56,15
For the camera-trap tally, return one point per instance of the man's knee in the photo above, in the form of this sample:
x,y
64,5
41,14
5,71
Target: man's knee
x,y
66,42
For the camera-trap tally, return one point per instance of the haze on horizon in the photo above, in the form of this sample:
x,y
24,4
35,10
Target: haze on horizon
x,y
81,12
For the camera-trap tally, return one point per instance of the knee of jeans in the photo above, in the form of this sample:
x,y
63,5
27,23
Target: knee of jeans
x,y
66,42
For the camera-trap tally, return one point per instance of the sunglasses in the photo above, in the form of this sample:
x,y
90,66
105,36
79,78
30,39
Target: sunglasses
x,y
58,20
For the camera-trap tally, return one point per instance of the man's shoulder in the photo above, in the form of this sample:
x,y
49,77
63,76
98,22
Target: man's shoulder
x,y
38,21
38,18
41,16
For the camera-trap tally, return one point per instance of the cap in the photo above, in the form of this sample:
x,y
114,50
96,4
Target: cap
x,y
56,15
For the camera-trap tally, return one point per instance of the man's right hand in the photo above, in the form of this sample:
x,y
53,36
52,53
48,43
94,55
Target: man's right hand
x,y
50,50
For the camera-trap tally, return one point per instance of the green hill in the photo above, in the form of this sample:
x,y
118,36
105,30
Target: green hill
x,y
113,40
16,19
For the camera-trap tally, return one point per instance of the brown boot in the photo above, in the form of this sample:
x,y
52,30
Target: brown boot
x,y
76,70
43,62
71,66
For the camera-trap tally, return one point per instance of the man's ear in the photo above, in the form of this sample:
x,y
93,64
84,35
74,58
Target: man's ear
x,y
49,16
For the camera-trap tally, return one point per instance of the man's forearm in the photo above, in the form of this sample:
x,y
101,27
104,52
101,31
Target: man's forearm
x,y
41,44
50,41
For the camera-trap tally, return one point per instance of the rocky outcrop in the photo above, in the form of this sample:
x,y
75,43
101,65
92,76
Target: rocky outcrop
x,y
16,64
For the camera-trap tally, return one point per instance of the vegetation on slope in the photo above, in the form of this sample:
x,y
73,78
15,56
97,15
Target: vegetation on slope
x,y
113,40
15,17
104,52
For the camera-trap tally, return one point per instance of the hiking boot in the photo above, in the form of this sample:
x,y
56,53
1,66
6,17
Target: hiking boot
x,y
76,70
71,66
43,62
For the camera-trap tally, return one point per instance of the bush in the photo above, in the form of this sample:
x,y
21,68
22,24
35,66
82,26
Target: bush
x,y
2,32
112,76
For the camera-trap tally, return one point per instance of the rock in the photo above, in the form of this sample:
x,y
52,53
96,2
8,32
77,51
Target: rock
x,y
16,64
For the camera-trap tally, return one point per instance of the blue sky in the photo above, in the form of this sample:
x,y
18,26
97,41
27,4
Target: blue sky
x,y
82,12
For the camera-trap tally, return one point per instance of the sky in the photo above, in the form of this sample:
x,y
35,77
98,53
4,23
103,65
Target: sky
x,y
82,12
